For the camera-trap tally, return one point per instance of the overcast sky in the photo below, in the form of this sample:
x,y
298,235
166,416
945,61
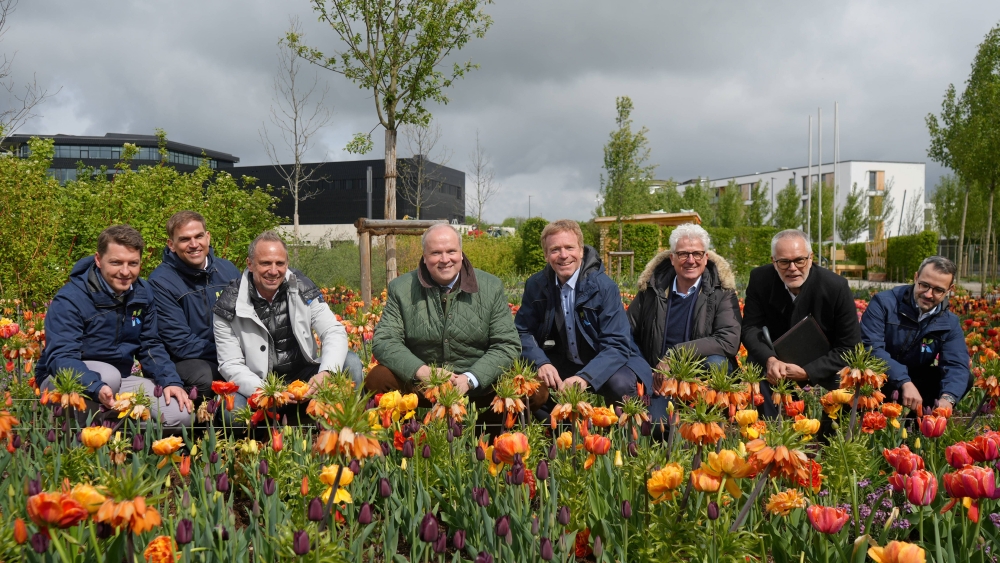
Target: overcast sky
x,y
725,88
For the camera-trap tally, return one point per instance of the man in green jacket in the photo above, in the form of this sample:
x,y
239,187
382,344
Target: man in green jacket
x,y
448,314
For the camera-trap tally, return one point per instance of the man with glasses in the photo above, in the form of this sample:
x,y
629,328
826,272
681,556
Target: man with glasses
x,y
687,296
911,328
781,294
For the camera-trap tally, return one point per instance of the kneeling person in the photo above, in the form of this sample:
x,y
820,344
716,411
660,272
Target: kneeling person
x,y
264,323
103,321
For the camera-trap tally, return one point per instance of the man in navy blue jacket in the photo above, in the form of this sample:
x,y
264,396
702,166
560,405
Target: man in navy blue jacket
x,y
911,328
104,320
572,323
185,286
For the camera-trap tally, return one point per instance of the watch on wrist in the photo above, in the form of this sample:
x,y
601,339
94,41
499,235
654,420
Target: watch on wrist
x,y
950,398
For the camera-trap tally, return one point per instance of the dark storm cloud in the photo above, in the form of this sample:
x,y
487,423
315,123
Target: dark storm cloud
x,y
724,87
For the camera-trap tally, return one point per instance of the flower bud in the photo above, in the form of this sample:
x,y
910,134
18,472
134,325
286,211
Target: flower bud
x,y
269,486
545,549
496,457
484,557
185,532
481,495
57,411
429,528
193,393
553,450
34,487
209,485
408,449
386,448
542,471
263,467
456,429
384,488
255,509
300,542
365,514
534,525
598,547
138,442
157,391
213,457
480,453
354,466
646,428
40,542
563,516
713,510
15,442
458,540
503,526
224,533
222,483
104,530
441,543
426,452
211,406
626,509
450,436
315,512
186,499
633,449
50,435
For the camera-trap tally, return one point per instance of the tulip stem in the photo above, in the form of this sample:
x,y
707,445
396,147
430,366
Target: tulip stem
x,y
752,498
695,464
333,494
854,413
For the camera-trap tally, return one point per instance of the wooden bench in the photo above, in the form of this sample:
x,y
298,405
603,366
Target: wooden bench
x,y
849,270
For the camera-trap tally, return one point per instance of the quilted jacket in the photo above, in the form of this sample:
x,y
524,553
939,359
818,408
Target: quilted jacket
x,y
469,329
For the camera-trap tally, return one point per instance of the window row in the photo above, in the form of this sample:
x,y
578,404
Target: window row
x,y
115,153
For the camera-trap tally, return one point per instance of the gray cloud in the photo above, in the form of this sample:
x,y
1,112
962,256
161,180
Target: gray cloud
x,y
724,87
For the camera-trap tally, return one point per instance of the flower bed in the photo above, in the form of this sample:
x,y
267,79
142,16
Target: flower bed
x,y
379,479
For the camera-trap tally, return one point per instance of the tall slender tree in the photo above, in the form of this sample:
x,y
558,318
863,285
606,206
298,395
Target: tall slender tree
x,y
394,49
484,183
788,214
729,207
758,213
697,198
851,219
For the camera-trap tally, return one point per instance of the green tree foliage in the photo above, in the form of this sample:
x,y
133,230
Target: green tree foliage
x,y
788,213
61,224
729,208
851,221
814,225
904,254
667,198
698,198
625,182
758,213
744,248
531,258
948,200
393,49
881,210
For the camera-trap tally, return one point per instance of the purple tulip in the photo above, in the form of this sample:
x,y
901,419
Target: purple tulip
x,y
626,509
458,540
450,436
633,449
79,435
384,488
542,471
40,542
315,512
553,451
50,435
269,486
618,411
895,396
563,516
496,457
354,466
441,543
408,449
534,525
480,453
213,457
15,442
386,448
57,411
372,403
263,467
516,474
209,485
300,542
481,495
484,557
222,483
646,428
224,533
185,532
456,429
713,510
426,452
104,531
365,514
34,487
503,526
429,528
545,549
211,406
598,547
193,393
157,391
138,443
255,509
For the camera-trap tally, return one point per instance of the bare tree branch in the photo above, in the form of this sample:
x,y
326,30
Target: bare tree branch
x,y
420,178
19,106
484,184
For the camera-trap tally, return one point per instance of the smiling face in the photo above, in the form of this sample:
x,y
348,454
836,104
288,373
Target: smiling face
x,y
190,242
686,263
564,252
931,287
268,266
787,252
443,255
119,266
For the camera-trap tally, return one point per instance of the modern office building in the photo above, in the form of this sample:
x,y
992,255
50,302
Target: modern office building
x,y
903,181
96,152
338,194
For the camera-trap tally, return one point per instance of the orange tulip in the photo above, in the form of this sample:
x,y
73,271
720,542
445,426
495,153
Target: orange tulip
x,y
88,497
873,421
728,464
304,489
55,509
598,445
603,417
167,446
704,481
297,390
185,467
95,436
508,445
7,422
903,460
161,550
564,440
784,502
795,408
224,387
20,531
806,426
898,552
663,482
827,519
277,440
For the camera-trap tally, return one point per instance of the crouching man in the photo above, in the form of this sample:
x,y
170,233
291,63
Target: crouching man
x,y
446,313
103,321
264,323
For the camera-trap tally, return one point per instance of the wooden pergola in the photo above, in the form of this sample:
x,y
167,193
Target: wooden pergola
x,y
658,219
367,228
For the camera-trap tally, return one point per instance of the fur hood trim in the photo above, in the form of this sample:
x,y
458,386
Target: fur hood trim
x,y
725,271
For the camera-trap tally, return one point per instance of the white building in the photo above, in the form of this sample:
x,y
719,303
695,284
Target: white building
x,y
904,181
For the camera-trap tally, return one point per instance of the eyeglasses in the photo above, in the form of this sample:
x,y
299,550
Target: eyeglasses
x,y
784,263
937,291
683,256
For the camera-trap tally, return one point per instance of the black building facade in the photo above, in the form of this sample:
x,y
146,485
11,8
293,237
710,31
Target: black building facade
x,y
341,194
95,152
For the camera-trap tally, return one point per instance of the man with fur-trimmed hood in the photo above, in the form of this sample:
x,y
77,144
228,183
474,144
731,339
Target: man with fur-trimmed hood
x,y
687,295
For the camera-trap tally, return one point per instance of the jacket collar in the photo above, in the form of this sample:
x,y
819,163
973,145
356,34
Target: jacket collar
x,y
466,277
590,266
244,307
905,305
170,258
659,273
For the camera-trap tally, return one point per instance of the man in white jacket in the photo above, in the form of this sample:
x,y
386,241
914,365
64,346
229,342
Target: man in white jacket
x,y
264,322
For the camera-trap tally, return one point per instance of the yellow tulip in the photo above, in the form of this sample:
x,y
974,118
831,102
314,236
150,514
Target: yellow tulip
x,y
329,474
618,458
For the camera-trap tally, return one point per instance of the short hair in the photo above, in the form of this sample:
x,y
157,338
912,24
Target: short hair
x,y
181,218
789,233
561,226
427,233
690,231
266,236
124,235
941,264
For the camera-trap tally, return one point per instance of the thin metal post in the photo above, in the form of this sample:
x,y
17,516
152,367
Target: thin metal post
x,y
819,206
369,192
809,179
365,248
836,164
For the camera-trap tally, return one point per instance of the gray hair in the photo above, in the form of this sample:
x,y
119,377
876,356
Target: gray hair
x,y
941,264
266,236
427,233
789,233
690,231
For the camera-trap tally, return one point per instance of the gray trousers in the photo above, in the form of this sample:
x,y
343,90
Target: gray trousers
x,y
171,415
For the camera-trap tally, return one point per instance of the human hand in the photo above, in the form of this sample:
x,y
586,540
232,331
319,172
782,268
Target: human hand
x,y
178,392
461,382
550,375
106,396
314,382
575,380
776,370
423,373
795,373
911,398
945,404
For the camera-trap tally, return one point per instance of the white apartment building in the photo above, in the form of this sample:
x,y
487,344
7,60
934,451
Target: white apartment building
x,y
904,181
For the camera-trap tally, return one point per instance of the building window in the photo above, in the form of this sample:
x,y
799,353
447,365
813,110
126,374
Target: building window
x,y
872,175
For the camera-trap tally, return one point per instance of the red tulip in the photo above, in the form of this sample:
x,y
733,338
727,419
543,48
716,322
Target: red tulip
x,y
932,425
897,482
957,455
903,460
55,509
277,440
921,487
827,519
971,481
985,447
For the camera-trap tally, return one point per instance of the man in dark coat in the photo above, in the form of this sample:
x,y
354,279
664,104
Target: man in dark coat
x,y
687,295
911,328
572,323
186,285
781,294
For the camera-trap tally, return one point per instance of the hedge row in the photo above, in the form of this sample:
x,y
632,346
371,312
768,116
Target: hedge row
x,y
904,254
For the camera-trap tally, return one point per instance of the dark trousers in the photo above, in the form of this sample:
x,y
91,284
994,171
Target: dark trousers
x,y
927,379
199,374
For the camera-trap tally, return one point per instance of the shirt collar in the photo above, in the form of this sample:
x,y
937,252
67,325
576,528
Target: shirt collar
x,y
571,282
451,285
107,287
693,289
922,315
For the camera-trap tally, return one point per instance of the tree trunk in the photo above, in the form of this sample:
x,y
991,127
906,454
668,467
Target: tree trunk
x,y
986,250
961,234
390,202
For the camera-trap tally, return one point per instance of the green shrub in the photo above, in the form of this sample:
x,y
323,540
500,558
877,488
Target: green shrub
x,y
591,234
644,240
904,254
531,257
744,248
856,253
496,255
